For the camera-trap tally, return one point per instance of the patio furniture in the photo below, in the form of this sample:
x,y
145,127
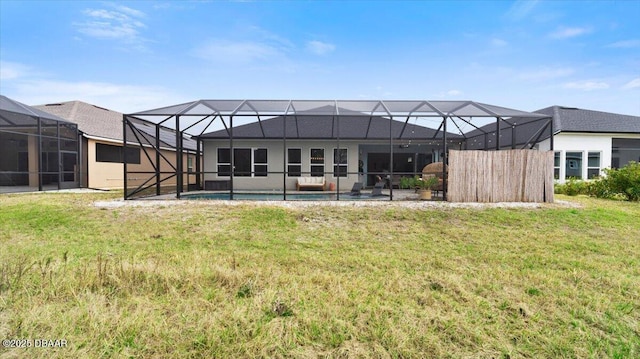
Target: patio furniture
x,y
434,169
314,183
355,190
377,190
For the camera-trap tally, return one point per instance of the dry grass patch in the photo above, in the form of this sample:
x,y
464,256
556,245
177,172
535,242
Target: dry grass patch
x,y
266,281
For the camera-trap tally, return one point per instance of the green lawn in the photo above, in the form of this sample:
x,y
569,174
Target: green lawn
x,y
218,281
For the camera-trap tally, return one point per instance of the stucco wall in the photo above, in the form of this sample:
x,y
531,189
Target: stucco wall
x,y
584,143
107,175
276,156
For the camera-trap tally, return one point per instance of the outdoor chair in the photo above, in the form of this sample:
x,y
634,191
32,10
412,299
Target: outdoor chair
x,y
377,190
434,169
355,190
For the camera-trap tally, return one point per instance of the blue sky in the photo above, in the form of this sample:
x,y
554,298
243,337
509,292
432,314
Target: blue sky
x,y
137,55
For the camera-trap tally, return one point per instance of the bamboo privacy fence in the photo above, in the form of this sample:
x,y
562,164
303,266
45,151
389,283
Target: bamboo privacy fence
x,y
500,176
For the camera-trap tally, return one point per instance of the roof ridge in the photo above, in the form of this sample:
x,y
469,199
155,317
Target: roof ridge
x,y
74,109
557,119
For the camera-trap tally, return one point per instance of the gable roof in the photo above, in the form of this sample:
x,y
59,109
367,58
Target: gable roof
x,y
326,127
7,104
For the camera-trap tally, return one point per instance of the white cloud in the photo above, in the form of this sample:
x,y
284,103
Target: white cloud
x,y
130,11
498,42
569,32
633,84
12,70
237,52
545,74
320,48
117,97
625,44
586,85
122,23
520,9
267,36
454,93
251,45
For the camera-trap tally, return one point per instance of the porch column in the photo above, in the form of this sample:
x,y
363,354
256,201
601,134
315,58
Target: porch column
x,y
158,160
444,158
178,159
497,133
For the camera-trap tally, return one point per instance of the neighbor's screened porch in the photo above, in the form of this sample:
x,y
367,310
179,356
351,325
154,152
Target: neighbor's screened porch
x,y
38,151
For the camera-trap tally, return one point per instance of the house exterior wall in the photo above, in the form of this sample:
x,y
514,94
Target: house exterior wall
x,y
276,162
583,143
103,175
109,175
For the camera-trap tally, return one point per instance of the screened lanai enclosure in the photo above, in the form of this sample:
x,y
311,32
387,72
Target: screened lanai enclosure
x,y
309,149
38,151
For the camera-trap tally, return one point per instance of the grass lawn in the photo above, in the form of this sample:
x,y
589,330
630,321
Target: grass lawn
x,y
218,281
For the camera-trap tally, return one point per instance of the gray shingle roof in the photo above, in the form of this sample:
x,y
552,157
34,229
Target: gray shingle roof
x,y
566,119
104,123
92,120
326,127
569,119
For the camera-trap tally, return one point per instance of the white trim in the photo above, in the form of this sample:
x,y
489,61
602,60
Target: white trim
x,y
324,160
582,164
560,166
253,162
293,164
333,170
599,167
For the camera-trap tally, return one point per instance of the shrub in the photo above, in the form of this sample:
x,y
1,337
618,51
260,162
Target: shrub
x,y
572,187
624,181
598,188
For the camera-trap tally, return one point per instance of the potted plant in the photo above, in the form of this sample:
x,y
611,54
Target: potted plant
x,y
406,182
424,186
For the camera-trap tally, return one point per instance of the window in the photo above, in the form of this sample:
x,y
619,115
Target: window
x,y
339,162
190,164
242,162
593,165
224,162
294,162
260,162
556,164
132,155
573,166
110,153
624,150
247,162
317,162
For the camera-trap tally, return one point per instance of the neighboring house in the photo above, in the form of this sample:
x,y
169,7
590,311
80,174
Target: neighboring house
x,y
102,149
38,150
585,142
359,152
